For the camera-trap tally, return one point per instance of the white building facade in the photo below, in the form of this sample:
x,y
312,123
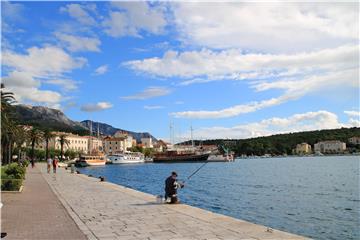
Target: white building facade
x,y
330,147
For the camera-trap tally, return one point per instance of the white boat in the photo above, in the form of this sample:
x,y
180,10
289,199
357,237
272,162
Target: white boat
x,y
220,158
127,157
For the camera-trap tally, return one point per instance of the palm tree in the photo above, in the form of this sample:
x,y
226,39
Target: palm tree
x,y
48,135
35,136
8,125
62,140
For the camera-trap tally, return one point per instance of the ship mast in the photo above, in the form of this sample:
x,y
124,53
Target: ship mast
x,y
192,140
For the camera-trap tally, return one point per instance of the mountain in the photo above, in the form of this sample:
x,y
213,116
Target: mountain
x,y
106,129
56,120
44,117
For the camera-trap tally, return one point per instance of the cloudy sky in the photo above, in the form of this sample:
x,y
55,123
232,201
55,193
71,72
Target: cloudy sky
x,y
229,70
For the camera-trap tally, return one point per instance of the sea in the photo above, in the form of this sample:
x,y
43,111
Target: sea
x,y
317,197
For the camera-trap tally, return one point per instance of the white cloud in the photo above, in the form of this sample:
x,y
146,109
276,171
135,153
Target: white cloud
x,y
66,84
101,70
352,113
296,123
296,74
235,64
269,27
43,62
131,18
150,92
96,107
27,72
80,13
153,107
78,44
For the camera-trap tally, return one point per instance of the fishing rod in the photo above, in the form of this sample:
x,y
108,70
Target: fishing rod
x,y
197,170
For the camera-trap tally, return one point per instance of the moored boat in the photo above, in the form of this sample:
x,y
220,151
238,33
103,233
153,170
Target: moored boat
x,y
175,156
127,157
91,160
220,158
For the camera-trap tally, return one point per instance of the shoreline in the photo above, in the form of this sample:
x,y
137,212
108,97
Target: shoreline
x,y
103,205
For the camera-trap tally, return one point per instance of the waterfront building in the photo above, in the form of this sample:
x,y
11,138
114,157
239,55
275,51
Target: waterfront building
x,y
147,142
354,140
74,142
114,145
333,146
160,146
95,144
303,148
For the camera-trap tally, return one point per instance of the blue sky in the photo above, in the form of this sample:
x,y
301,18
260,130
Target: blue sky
x,y
230,70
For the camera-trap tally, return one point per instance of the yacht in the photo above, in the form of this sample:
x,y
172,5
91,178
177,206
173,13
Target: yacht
x,y
127,157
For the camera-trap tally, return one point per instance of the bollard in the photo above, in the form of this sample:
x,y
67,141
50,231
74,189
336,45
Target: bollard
x,y
72,168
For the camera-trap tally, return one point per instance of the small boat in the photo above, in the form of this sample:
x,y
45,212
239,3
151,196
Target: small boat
x,y
220,158
91,160
127,157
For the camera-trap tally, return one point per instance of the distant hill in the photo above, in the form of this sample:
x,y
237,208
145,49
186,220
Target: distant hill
x,y
106,129
284,143
44,117
56,120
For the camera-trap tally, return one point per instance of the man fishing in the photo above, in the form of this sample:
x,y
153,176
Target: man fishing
x,y
171,186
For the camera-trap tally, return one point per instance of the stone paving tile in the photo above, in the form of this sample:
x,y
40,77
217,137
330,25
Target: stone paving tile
x,y
36,213
110,211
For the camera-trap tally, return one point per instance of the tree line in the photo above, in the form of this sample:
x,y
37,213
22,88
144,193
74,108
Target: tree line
x,y
16,138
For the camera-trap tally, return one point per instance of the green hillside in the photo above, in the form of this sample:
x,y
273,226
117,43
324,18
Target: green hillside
x,y
285,143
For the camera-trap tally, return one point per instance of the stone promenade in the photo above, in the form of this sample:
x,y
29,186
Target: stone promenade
x,y
104,210
36,212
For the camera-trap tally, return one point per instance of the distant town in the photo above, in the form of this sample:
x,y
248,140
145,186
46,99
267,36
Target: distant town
x,y
121,141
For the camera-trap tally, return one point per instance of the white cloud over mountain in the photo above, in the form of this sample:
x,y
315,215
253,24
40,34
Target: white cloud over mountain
x,y
27,72
296,123
295,74
100,106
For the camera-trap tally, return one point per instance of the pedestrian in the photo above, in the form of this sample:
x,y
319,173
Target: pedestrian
x,y
171,186
32,163
55,162
49,162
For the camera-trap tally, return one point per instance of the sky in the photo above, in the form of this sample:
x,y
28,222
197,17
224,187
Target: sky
x,y
227,70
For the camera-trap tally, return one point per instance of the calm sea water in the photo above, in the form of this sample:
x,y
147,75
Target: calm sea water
x,y
316,197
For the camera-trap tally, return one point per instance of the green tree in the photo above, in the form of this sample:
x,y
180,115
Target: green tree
x,y
63,141
35,136
8,125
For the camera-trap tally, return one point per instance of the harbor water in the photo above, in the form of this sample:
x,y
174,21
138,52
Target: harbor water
x,y
317,197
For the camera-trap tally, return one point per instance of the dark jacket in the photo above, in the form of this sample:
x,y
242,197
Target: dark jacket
x,y
170,186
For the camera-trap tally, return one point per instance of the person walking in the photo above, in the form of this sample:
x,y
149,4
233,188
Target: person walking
x,y
49,162
54,163
171,186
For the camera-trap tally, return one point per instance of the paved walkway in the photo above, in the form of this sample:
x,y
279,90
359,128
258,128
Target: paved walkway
x,y
104,210
36,213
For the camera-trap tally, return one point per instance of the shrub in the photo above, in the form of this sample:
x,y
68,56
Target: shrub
x,y
12,176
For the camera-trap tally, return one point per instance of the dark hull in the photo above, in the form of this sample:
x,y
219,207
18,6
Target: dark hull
x,y
181,158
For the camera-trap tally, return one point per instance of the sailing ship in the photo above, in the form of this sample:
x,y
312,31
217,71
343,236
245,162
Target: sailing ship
x,y
94,156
